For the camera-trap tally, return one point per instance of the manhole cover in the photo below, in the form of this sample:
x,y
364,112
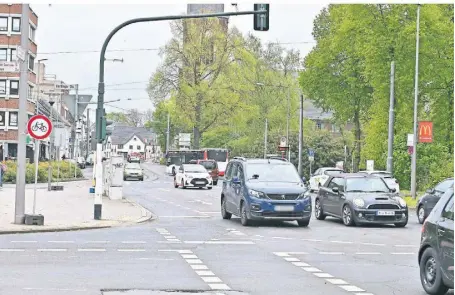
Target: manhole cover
x,y
169,292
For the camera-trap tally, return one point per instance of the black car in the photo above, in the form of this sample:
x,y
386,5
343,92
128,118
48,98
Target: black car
x,y
359,199
431,197
436,247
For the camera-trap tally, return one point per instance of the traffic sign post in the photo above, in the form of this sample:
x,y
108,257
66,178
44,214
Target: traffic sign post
x,y
39,127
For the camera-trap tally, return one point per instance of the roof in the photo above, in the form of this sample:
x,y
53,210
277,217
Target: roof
x,y
122,134
310,111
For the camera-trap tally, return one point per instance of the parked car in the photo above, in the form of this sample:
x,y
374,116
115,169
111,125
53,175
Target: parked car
x,y
320,176
211,166
436,247
133,171
391,181
431,197
358,198
134,159
192,175
81,162
264,189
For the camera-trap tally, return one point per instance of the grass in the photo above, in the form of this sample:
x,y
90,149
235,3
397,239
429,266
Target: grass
x,y
412,203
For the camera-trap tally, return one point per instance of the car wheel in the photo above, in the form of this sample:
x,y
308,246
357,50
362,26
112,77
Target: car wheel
x,y
421,214
182,185
224,213
142,178
430,273
209,187
348,219
173,171
318,212
303,222
243,216
176,185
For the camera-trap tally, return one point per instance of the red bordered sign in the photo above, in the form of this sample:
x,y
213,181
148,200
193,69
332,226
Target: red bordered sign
x,y
39,127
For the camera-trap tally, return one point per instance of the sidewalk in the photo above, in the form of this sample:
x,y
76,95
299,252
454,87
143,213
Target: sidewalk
x,y
70,209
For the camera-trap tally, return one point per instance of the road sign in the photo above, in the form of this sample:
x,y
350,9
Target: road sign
x,y
20,53
39,127
283,141
9,66
425,131
311,158
311,153
370,165
410,141
64,86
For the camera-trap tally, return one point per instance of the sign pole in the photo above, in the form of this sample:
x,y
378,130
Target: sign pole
x,y
37,147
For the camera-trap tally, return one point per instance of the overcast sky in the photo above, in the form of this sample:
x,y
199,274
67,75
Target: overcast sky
x,y
81,27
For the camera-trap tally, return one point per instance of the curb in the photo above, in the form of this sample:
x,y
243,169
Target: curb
x,y
47,230
146,214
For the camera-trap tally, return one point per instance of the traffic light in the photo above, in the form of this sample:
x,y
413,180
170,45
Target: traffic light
x,y
261,21
105,131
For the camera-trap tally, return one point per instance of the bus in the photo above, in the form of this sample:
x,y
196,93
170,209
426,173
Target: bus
x,y
221,156
176,158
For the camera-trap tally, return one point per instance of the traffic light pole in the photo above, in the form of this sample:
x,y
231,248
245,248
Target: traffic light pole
x,y
100,103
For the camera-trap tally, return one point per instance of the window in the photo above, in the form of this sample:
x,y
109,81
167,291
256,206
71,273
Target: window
x,y
31,63
12,56
3,24
444,185
120,147
2,86
131,147
448,210
2,118
30,92
227,174
337,182
138,147
135,139
13,87
12,118
16,24
31,33
3,54
318,125
366,184
279,172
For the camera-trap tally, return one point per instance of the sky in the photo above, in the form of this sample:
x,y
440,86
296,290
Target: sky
x,y
78,28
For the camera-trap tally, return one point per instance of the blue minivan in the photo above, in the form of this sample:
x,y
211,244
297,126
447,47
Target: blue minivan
x,y
264,189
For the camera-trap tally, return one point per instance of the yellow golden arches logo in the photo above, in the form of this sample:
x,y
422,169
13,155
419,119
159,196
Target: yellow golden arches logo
x,y
425,130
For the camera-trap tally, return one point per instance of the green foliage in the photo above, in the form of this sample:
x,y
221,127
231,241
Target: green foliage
x,y
66,172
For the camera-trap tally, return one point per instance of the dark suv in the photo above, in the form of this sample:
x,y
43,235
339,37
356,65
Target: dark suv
x,y
264,189
436,247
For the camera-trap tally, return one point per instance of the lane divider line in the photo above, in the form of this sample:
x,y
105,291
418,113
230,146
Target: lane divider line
x,y
320,274
167,235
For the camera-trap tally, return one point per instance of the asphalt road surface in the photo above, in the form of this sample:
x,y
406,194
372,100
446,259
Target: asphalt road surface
x,y
188,247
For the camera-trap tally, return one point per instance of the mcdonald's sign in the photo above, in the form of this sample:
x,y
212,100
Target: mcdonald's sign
x,y
425,131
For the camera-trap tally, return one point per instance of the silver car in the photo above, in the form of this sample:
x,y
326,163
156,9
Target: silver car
x,y
133,171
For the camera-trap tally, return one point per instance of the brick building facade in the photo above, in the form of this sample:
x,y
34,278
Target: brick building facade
x,y
10,39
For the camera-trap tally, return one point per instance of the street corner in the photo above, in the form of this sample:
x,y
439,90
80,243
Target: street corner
x,y
145,214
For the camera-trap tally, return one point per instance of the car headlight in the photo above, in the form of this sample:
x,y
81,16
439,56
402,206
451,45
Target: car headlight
x,y
188,176
401,201
304,196
358,202
256,194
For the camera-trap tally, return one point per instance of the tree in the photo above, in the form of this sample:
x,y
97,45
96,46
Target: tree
x,y
135,117
118,117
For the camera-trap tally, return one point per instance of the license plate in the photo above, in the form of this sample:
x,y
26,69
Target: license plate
x,y
386,213
284,208
200,182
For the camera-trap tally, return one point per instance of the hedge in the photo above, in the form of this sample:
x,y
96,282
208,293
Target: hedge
x,y
66,172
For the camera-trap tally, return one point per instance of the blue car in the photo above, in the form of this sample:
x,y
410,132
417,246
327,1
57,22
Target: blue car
x,y
264,189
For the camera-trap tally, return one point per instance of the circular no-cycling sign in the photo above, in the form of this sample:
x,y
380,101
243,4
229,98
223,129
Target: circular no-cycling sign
x,y
39,127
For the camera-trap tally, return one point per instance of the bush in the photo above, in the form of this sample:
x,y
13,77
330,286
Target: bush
x,y
162,161
66,172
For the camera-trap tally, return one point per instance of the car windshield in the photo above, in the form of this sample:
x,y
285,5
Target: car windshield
x,y
209,165
443,186
331,172
175,160
272,172
366,184
195,169
133,167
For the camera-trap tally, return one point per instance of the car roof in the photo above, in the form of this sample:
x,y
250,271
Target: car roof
x,y
354,175
263,161
330,168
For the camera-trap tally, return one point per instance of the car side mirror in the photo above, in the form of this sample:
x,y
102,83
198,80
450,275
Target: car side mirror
x,y
235,180
335,189
430,191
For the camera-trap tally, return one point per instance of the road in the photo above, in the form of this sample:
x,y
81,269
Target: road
x,y
188,247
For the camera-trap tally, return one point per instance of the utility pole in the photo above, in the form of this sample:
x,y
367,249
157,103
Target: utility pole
x,y
265,138
416,95
87,133
76,121
168,131
51,149
391,119
287,125
300,136
19,206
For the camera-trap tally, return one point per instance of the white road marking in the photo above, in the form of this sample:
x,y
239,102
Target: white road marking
x,y
134,242
297,253
219,287
24,241
189,256
54,289
230,242
131,250
12,250
372,244
52,250
331,253
282,238
154,258
174,240
178,251
212,279
91,250
312,240
61,242
311,269
342,242
337,281
291,259
351,288
203,212
193,242
169,242
402,253
199,267
170,237
323,275
368,253
194,261
300,264
196,216
204,273
97,242
281,254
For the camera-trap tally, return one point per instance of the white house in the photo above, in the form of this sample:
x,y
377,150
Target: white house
x,y
125,140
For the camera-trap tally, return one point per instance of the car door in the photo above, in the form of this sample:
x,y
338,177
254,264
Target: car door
x,y
227,188
332,197
339,198
445,240
323,194
238,188
234,206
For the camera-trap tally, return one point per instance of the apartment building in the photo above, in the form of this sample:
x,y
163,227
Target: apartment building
x,y
10,40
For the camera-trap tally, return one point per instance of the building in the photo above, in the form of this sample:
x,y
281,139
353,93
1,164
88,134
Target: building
x,y
322,120
125,140
10,40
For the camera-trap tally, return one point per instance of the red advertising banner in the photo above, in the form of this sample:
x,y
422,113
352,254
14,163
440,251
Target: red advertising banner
x,y
425,131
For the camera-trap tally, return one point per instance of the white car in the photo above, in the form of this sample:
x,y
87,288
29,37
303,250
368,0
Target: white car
x,y
391,181
321,175
192,175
